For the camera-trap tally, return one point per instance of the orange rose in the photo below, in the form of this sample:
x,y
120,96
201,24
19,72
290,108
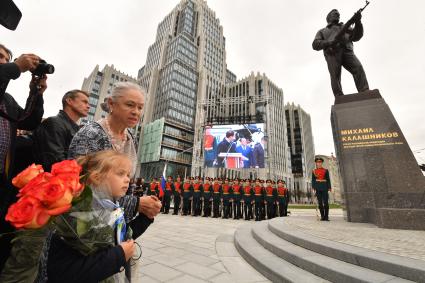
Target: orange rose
x,y
28,212
66,167
35,183
55,195
27,175
72,181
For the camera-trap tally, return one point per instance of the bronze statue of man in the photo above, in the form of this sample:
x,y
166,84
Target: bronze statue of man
x,y
336,40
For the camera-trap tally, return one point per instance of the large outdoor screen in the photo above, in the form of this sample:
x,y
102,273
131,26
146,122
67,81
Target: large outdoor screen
x,y
235,146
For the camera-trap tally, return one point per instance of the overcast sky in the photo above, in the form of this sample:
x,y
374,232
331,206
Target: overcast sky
x,y
269,36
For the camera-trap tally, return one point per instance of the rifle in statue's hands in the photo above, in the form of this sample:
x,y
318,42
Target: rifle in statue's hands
x,y
340,38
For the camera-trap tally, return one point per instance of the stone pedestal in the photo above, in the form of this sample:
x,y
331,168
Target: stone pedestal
x,y
382,182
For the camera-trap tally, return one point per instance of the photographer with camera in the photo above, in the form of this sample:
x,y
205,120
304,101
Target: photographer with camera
x,y
13,117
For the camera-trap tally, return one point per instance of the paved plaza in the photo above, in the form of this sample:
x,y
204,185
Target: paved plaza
x,y
198,249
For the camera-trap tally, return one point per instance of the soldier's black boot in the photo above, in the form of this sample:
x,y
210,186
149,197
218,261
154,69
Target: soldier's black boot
x,y
326,213
322,214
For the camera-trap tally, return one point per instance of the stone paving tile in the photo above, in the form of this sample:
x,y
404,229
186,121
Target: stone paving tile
x,y
160,272
407,243
240,270
167,260
197,270
187,279
172,251
200,259
219,266
145,279
226,249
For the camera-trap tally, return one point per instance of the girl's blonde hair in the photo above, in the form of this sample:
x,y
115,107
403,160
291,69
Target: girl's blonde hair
x,y
100,163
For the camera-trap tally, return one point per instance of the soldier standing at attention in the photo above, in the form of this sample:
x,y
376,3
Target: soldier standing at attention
x,y
177,195
321,184
259,199
153,188
248,193
206,196
226,191
237,189
197,197
270,199
281,198
169,187
216,197
187,193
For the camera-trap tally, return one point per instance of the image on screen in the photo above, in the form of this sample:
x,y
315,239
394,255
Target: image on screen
x,y
235,146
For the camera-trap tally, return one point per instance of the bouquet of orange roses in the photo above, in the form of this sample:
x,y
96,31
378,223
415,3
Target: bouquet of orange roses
x,y
55,203
43,195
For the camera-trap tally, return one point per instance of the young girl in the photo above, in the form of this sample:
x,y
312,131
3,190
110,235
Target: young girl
x,y
94,243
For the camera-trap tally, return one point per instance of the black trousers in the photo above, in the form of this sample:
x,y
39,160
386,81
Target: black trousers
x,y
216,209
271,209
177,200
167,200
345,58
248,210
196,206
186,206
322,200
7,197
207,208
237,209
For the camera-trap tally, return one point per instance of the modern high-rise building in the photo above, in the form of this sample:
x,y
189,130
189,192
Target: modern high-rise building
x,y
331,163
251,100
99,85
186,62
301,145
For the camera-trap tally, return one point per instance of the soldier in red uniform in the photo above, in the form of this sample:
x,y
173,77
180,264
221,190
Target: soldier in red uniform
x,y
248,194
153,188
168,191
321,184
281,198
226,195
270,199
216,197
177,191
206,196
187,194
196,196
259,199
237,189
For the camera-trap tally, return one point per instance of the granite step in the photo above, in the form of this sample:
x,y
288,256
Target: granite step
x,y
271,266
402,267
325,267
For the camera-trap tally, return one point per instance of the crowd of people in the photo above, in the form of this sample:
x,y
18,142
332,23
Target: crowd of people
x,y
59,138
106,153
241,199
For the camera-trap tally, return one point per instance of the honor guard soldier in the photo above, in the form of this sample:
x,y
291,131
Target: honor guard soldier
x,y
259,199
282,198
216,197
206,196
196,196
237,197
153,188
168,191
226,191
187,194
321,184
270,199
248,198
177,191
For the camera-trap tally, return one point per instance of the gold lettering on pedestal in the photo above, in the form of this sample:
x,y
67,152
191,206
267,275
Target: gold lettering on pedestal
x,y
368,137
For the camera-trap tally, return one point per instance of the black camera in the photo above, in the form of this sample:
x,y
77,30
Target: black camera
x,y
43,68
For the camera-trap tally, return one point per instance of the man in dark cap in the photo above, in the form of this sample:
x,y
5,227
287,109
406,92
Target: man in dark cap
x,y
321,184
281,198
341,53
